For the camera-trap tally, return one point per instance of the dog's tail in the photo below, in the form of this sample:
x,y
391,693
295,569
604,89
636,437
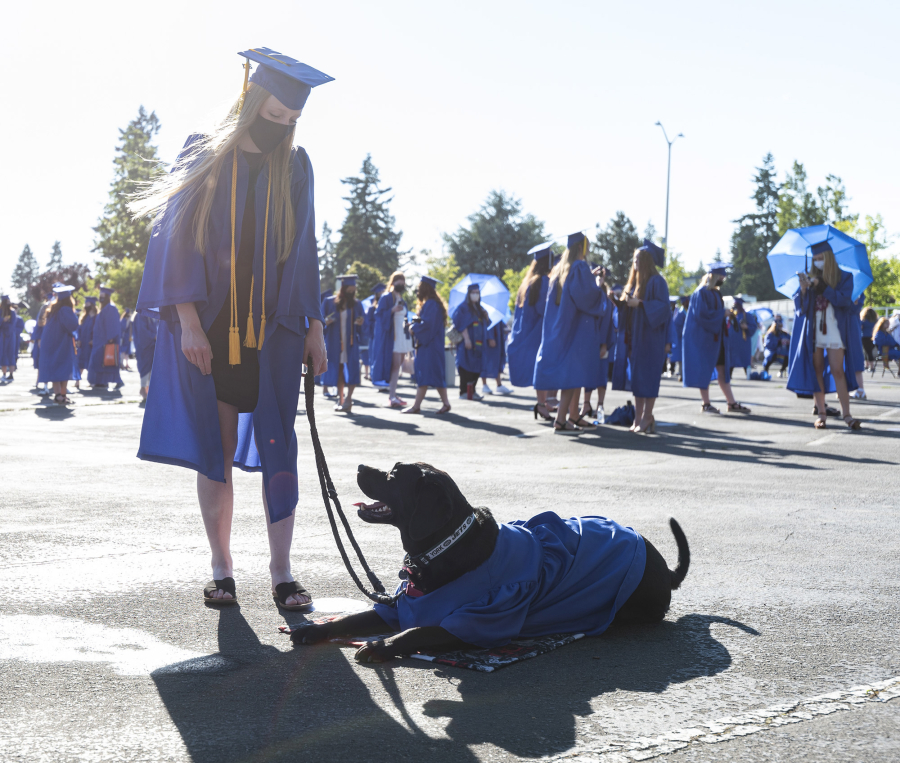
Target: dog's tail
x,y
684,554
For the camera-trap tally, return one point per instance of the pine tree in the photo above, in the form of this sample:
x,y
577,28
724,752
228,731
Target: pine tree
x,y
617,243
119,236
497,238
23,277
326,258
797,207
56,262
368,234
756,235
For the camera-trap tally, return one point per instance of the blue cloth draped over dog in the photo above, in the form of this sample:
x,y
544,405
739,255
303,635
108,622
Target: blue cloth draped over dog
x,y
58,360
546,575
525,338
181,420
569,355
106,330
333,343
429,333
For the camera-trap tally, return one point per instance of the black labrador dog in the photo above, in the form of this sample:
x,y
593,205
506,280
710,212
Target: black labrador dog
x,y
428,508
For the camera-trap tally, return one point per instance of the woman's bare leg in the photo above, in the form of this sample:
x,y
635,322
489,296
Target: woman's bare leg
x,y
217,501
638,412
350,388
565,401
420,396
819,366
704,395
836,361
442,391
396,365
340,383
281,534
724,385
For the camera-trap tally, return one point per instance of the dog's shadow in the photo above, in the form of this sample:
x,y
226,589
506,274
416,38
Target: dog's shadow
x,y
532,708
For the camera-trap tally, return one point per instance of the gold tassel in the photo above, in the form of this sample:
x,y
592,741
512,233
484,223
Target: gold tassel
x,y
262,331
234,346
262,323
234,334
250,339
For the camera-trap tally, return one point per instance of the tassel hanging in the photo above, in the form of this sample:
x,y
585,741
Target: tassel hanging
x,y
262,322
234,346
234,333
250,339
262,331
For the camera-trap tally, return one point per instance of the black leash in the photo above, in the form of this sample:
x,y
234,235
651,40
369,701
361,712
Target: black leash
x,y
329,494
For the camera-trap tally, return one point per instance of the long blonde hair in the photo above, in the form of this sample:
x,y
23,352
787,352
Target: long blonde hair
x,y
196,174
831,273
709,281
640,276
560,272
530,287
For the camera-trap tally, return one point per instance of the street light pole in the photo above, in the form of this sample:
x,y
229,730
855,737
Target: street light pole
x,y
668,179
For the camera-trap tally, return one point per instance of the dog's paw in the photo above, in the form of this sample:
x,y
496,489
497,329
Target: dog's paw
x,y
309,633
374,651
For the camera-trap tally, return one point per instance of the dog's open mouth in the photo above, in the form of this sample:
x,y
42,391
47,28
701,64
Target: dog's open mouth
x,y
373,512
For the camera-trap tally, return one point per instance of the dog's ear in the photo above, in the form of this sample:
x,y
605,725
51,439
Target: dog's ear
x,y
433,508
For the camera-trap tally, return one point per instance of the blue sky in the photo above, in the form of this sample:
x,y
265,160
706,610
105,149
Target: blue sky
x,y
553,102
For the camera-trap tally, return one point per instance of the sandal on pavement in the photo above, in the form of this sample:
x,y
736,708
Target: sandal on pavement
x,y
852,423
444,409
412,410
226,585
582,424
737,408
544,414
649,429
284,590
821,422
708,409
564,428
829,411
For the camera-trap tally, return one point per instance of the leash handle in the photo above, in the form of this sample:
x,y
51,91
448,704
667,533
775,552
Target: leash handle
x,y
329,494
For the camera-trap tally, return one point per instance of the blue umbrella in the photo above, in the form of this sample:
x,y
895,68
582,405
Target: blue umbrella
x,y
792,254
494,296
763,313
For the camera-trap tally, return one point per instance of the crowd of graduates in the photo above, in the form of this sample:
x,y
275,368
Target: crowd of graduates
x,y
72,346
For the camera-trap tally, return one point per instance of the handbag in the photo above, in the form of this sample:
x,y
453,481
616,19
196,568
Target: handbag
x,y
623,416
111,354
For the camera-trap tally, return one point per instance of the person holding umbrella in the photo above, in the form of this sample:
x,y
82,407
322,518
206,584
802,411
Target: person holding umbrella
x,y
822,305
428,332
706,345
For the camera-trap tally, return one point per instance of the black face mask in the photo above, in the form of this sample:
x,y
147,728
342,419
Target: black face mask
x,y
266,134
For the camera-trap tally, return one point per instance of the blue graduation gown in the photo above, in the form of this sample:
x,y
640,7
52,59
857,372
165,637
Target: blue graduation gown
x,y
181,421
58,361
9,340
677,332
546,575
368,335
801,371
492,356
649,334
525,338
381,353
778,343
145,326
741,348
621,363
856,356
883,339
464,318
106,330
125,335
429,334
333,344
35,346
704,334
569,355
85,332
606,335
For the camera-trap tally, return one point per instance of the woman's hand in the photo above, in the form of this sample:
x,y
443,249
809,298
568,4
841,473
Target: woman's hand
x,y
804,282
329,319
194,343
358,321
398,307
492,343
604,352
315,345
632,302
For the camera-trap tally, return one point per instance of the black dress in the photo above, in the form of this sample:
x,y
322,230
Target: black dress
x,y
239,385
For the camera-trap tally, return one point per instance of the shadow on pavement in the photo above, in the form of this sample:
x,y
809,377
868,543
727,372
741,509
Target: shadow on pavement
x,y
255,702
53,412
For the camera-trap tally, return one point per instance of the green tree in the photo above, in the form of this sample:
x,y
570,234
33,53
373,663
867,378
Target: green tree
x,y
56,262
445,270
119,236
327,262
24,276
797,206
125,278
497,237
885,288
754,238
366,278
617,243
674,272
368,234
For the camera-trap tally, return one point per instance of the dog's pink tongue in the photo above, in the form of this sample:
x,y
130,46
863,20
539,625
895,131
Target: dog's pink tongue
x,y
369,506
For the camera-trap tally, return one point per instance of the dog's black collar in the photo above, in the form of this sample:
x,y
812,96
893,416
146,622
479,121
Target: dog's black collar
x,y
440,548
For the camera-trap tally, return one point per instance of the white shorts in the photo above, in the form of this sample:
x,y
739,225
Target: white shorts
x,y
832,339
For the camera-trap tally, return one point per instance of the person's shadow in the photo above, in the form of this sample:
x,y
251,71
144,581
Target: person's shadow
x,y
254,702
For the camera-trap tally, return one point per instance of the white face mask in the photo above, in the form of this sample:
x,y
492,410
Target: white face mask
x,y
819,264
476,298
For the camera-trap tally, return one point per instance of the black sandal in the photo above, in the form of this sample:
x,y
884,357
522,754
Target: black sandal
x,y
581,423
284,590
539,412
563,429
226,585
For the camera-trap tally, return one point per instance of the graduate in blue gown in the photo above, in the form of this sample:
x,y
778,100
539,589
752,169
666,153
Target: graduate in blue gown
x,y
678,332
9,341
429,333
856,355
607,338
125,337
884,342
777,345
494,358
393,341
546,575
471,320
569,356
646,295
85,333
344,319
145,327
106,331
742,327
58,361
823,307
528,322
867,320
236,281
706,349
369,331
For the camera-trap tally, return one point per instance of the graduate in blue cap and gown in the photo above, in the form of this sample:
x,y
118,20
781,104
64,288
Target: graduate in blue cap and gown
x,y
705,344
232,267
494,359
369,334
344,319
646,297
58,361
125,337
429,332
678,332
36,332
85,332
471,320
106,331
9,342
741,328
145,326
569,356
884,341
856,353
822,327
777,344
528,323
